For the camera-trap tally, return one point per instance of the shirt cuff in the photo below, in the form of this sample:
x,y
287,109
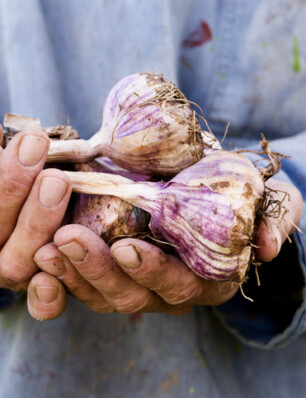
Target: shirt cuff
x,y
8,298
277,314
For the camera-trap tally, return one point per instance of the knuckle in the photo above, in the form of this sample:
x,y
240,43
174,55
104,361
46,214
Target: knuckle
x,y
182,295
227,295
12,278
13,270
16,186
75,284
99,275
74,290
37,228
97,270
130,304
39,224
218,293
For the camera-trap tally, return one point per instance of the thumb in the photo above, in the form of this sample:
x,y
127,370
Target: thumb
x,y
272,231
1,137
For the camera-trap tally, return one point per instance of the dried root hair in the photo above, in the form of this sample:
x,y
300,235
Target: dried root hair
x,y
169,94
274,158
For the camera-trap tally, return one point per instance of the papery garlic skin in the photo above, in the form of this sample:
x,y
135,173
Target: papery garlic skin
x,y
149,127
109,217
105,165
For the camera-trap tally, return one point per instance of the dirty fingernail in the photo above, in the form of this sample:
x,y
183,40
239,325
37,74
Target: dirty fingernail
x,y
55,266
31,150
73,250
46,294
52,191
127,256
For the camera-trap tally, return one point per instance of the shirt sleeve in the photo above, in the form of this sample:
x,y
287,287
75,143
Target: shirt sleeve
x,y
8,298
278,313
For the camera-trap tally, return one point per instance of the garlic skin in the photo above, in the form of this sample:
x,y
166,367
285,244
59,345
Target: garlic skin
x,y
207,212
109,217
105,165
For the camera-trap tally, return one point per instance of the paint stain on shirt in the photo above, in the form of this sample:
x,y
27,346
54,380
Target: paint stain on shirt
x,y
201,35
135,318
296,55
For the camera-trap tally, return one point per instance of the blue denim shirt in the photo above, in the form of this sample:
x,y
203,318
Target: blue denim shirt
x,y
243,62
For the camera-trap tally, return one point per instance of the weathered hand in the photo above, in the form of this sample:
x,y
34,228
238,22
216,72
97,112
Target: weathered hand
x,y
131,276
32,205
272,231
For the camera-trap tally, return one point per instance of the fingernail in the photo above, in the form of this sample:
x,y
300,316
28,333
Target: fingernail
x,y
127,256
55,267
31,150
46,294
73,250
278,237
52,191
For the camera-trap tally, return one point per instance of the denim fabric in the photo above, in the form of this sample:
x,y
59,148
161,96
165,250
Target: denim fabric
x,y
7,299
243,62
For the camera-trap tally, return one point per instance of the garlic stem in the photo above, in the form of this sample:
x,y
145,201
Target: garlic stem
x,y
72,151
78,151
139,194
210,141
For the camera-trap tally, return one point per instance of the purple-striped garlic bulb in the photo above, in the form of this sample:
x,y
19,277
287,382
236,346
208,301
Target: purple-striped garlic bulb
x,y
207,211
148,127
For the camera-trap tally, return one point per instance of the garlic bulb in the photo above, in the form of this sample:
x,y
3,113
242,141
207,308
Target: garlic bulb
x,y
148,127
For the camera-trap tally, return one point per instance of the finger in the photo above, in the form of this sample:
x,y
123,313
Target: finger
x,y
171,279
47,297
1,137
274,230
51,260
20,163
91,257
40,217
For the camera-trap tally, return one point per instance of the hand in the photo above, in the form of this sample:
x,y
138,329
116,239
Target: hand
x,y
134,276
272,231
32,205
